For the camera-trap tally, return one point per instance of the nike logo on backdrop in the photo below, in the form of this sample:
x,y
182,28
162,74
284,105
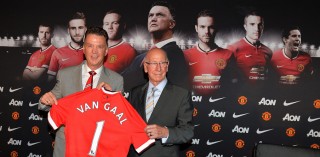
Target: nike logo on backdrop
x,y
32,104
239,115
263,131
64,59
312,119
191,63
13,129
11,90
214,142
285,103
214,100
34,143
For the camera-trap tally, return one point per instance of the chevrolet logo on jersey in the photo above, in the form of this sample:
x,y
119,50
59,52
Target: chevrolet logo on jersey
x,y
288,79
206,78
257,69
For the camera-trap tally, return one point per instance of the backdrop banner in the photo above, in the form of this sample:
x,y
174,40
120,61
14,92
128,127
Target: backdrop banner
x,y
227,123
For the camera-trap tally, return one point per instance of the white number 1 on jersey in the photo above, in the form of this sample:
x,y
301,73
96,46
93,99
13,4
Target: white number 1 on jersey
x,y
96,137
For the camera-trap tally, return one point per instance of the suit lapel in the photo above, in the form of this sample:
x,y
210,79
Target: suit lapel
x,y
104,76
142,100
77,79
162,102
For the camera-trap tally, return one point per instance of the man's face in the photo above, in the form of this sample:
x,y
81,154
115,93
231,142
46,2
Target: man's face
x,y
44,35
111,23
254,27
77,29
205,29
95,49
293,41
156,72
160,19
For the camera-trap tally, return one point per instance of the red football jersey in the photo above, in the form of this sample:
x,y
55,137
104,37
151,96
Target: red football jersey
x,y
120,56
290,70
99,123
64,57
252,60
41,59
206,68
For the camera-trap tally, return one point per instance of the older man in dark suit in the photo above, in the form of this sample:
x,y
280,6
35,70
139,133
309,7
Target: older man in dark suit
x,y
166,107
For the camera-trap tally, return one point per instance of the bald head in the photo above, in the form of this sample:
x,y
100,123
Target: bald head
x,y
155,52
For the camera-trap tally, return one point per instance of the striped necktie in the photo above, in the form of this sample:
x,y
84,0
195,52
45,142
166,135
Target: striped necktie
x,y
150,103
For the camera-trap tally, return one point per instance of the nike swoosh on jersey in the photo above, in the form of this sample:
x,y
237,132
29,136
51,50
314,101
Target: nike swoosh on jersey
x,y
263,131
285,103
192,63
32,104
34,143
214,100
214,142
239,115
64,59
313,119
13,129
11,90
247,56
280,66
196,125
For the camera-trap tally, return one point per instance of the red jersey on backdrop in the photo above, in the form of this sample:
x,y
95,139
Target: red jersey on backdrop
x,y
41,59
290,71
64,57
251,59
99,123
206,68
120,56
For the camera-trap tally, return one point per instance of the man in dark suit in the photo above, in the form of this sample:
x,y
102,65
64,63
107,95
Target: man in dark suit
x,y
73,79
161,23
170,118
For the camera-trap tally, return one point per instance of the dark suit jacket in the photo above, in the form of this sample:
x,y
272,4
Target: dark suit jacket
x,y
134,75
69,81
174,110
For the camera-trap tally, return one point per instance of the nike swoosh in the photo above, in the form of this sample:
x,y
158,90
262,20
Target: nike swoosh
x,y
263,131
312,119
32,104
196,125
13,129
14,90
64,59
34,143
214,142
285,103
193,63
247,56
239,115
280,66
214,100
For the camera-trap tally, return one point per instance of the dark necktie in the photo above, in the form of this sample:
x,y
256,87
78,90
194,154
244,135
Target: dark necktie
x,y
90,80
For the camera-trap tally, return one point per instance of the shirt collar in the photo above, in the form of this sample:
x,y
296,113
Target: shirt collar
x,y
164,42
160,86
87,69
